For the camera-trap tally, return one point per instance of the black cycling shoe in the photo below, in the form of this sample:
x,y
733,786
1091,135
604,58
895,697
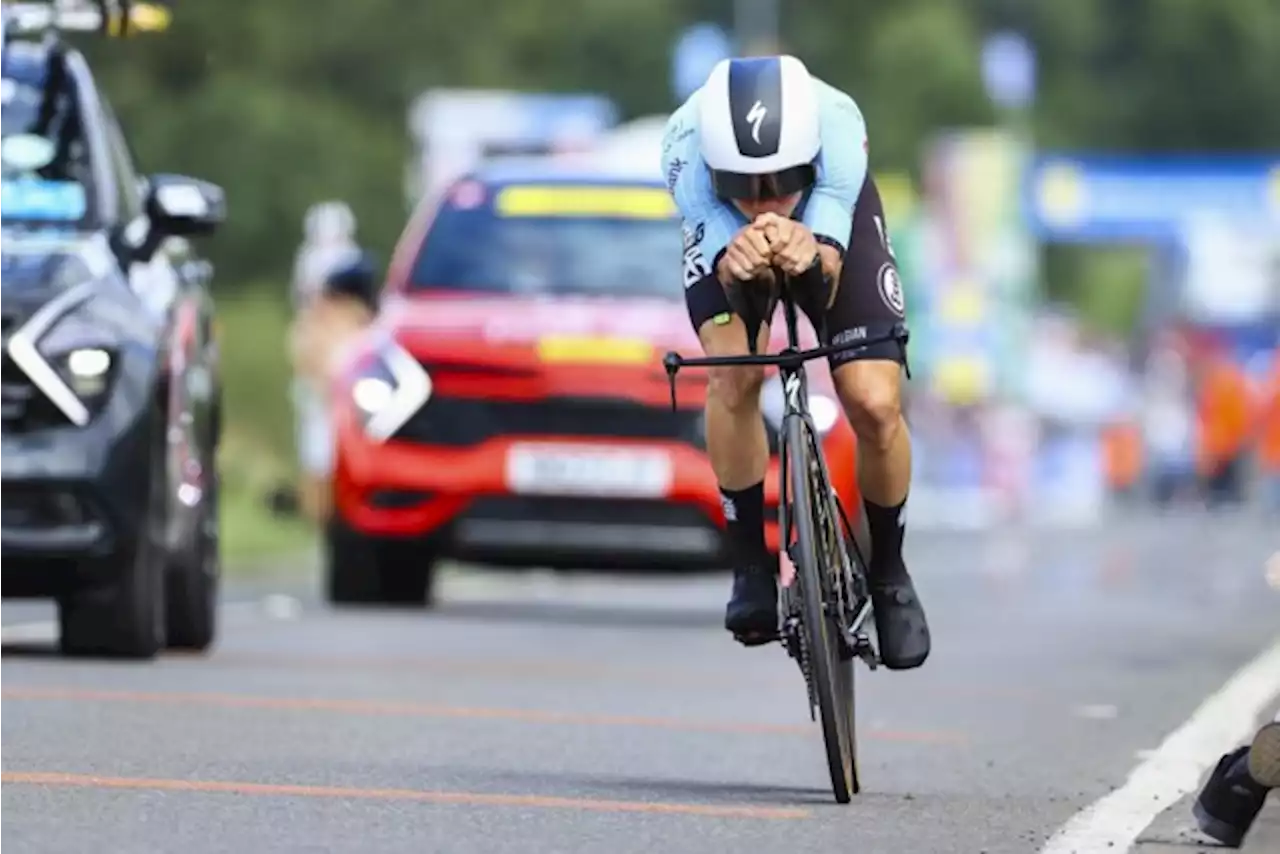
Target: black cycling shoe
x,y
1230,800
752,612
902,630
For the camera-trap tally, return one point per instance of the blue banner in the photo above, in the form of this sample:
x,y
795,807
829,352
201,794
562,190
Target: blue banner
x,y
1118,198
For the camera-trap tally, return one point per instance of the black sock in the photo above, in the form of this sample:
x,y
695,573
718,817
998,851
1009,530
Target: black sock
x,y
744,517
887,525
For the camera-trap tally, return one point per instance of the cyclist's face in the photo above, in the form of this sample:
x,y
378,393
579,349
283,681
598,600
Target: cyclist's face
x,y
783,206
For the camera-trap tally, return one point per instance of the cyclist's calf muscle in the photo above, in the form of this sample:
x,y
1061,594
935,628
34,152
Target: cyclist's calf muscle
x,y
736,441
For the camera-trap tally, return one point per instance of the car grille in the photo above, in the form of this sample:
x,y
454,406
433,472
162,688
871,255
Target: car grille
x,y
23,407
464,421
461,422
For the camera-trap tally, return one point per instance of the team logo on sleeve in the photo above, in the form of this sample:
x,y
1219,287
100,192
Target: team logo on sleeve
x,y
890,285
695,264
673,172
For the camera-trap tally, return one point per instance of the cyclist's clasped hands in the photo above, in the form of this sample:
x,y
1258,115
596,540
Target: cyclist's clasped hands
x,y
748,256
793,248
770,240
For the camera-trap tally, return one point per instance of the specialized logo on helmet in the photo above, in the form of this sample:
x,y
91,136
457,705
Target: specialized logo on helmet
x,y
756,105
756,116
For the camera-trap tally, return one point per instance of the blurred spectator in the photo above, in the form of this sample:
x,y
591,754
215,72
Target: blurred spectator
x,y
323,327
1169,428
328,244
329,239
1269,439
1224,403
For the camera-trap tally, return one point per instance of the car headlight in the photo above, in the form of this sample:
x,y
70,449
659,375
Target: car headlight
x,y
824,410
69,353
87,371
82,355
387,389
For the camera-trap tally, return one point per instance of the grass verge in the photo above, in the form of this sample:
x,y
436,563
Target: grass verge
x,y
257,454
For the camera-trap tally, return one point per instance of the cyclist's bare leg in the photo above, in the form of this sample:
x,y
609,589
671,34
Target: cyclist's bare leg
x,y
736,440
870,391
739,452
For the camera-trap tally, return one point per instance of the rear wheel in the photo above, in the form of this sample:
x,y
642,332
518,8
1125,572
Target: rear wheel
x,y
365,570
831,672
191,589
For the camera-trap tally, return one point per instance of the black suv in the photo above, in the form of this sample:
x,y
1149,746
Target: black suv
x,y
110,374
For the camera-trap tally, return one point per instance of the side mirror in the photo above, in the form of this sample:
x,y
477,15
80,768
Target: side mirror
x,y
179,206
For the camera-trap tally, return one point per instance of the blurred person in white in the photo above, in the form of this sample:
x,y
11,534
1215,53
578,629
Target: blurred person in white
x,y
329,239
1169,428
328,243
323,328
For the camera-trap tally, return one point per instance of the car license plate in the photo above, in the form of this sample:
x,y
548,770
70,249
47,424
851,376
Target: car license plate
x,y
577,470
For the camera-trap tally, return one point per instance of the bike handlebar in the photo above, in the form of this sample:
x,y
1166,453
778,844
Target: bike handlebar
x,y
789,358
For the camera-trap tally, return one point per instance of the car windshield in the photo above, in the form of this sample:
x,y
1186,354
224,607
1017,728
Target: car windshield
x,y
43,151
600,241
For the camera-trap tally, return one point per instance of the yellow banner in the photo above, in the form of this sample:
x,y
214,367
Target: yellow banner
x,y
897,195
585,201
595,350
143,18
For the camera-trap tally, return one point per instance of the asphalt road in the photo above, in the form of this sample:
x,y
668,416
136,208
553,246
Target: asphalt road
x,y
1079,686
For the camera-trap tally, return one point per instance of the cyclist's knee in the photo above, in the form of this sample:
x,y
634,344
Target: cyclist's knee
x,y
871,394
738,387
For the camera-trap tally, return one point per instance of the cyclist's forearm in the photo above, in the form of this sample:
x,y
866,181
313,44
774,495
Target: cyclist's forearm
x,y
822,276
832,261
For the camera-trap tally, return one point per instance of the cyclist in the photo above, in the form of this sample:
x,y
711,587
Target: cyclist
x,y
768,168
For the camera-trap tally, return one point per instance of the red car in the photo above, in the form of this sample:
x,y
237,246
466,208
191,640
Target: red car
x,y
509,405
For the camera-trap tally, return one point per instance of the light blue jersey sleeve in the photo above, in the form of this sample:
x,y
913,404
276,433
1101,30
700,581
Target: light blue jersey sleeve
x,y
842,167
709,224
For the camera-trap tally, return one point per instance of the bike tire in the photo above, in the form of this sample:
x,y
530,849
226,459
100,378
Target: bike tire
x,y
832,674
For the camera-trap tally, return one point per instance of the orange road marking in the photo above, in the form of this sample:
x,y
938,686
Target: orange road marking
x,y
433,710
457,798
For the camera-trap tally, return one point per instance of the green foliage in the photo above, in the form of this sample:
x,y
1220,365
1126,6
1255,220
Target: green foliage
x,y
257,454
289,102
293,101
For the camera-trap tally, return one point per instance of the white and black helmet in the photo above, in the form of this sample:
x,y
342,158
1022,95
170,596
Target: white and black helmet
x,y
759,129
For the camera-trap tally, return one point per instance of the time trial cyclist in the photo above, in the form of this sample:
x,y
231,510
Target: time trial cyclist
x,y
768,168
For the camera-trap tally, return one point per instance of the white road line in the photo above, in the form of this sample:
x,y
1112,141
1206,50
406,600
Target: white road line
x,y
1224,721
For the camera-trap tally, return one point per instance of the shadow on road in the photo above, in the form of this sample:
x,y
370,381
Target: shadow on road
x,y
574,614
664,789
31,649
758,793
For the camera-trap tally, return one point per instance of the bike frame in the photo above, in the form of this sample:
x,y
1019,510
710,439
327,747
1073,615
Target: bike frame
x,y
790,363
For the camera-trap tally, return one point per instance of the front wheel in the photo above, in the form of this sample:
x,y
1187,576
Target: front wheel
x,y
831,672
124,618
